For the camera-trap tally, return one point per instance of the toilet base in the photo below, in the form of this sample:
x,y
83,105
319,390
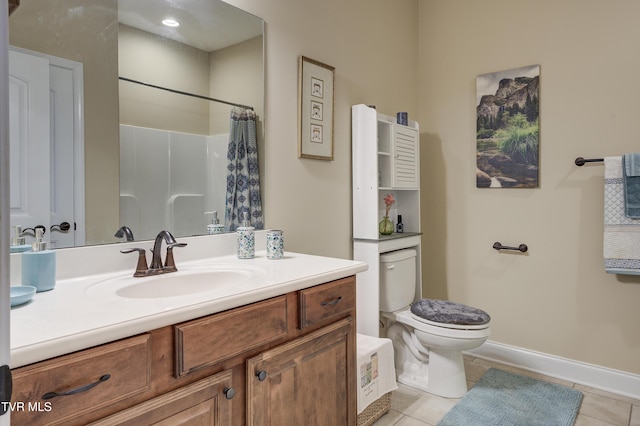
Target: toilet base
x,y
437,371
444,375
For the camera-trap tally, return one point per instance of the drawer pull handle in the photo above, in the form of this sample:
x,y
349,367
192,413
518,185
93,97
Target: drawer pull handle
x,y
229,393
261,375
50,395
331,302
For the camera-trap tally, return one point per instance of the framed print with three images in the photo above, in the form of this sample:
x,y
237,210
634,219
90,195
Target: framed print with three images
x,y
315,109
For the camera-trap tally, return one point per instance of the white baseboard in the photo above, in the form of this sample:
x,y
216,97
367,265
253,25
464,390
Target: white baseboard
x,y
607,379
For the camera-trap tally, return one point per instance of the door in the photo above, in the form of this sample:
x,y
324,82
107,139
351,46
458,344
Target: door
x,y
29,125
304,382
50,87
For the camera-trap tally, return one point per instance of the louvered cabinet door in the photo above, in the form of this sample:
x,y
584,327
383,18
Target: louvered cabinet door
x,y
406,167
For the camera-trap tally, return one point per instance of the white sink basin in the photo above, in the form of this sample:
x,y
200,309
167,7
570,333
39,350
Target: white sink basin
x,y
219,279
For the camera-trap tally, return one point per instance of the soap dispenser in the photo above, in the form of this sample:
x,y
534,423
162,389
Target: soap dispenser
x,y
246,239
214,227
18,244
39,265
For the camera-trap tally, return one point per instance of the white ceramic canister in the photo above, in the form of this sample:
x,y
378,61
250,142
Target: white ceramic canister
x,y
246,239
275,244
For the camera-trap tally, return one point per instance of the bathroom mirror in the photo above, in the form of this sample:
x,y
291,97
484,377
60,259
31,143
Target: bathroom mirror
x,y
216,52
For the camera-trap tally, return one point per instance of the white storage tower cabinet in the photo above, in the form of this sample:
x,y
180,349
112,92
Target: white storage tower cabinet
x,y
386,159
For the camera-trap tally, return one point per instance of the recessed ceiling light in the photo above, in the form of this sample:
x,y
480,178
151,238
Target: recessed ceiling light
x,y
171,22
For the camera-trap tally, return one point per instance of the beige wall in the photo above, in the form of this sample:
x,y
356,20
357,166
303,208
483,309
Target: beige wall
x,y
157,60
557,298
236,76
372,44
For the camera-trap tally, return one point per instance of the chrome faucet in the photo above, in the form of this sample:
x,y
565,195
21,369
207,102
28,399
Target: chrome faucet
x,y
156,267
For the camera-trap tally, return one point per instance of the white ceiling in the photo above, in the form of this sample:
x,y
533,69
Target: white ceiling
x,y
204,24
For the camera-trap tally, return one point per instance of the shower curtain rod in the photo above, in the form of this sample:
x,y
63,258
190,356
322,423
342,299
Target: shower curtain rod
x,y
184,93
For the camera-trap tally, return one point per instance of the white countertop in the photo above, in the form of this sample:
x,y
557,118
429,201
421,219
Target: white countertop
x,y
83,312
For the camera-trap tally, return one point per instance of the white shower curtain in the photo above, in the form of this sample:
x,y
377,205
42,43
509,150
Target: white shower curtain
x,y
243,180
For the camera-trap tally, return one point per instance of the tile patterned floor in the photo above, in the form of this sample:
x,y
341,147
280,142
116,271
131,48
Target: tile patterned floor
x,y
411,407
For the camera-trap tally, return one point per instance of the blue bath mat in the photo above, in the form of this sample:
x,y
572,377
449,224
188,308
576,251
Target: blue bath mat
x,y
501,398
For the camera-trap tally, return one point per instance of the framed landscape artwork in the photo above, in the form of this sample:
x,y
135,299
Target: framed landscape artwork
x,y
508,128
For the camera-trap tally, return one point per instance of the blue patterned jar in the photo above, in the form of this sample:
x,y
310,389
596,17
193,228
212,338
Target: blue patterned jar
x,y
275,244
246,240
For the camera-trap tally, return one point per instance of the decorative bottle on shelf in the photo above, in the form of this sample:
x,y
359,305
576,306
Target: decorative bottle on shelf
x,y
246,239
39,265
399,225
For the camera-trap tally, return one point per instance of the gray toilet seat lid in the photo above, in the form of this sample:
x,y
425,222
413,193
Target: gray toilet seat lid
x,y
447,312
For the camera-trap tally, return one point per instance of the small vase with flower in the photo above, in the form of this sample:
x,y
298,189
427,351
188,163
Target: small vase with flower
x,y
385,227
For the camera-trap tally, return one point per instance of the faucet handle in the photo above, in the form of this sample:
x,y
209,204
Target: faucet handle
x,y
141,267
169,263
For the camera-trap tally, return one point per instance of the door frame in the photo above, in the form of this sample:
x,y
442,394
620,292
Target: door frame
x,y
5,220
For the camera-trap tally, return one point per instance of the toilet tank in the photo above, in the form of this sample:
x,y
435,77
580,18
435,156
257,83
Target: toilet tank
x,y
397,279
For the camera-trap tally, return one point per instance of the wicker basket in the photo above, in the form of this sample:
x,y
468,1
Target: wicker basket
x,y
375,410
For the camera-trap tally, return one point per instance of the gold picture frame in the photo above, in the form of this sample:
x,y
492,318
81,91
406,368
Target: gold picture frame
x,y
315,109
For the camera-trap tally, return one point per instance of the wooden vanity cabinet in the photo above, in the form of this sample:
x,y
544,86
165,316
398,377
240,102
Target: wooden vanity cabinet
x,y
290,359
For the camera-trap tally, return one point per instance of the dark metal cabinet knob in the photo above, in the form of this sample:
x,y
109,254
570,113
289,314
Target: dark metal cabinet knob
x,y
229,393
261,375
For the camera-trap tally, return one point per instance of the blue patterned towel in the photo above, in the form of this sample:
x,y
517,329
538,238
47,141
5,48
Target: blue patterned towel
x,y
621,246
631,184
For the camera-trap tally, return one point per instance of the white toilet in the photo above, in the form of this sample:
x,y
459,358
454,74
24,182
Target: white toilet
x,y
428,352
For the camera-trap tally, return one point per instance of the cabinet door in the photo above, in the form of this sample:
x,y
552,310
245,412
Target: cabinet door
x,y
405,158
206,403
309,381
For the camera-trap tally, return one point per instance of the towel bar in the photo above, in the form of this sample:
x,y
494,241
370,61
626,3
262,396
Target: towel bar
x,y
581,161
522,247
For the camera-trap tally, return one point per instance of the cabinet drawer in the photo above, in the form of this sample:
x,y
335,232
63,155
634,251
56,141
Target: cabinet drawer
x,y
327,301
116,370
209,340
